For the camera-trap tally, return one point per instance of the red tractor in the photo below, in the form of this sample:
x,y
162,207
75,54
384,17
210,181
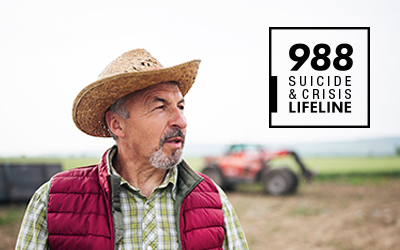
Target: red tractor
x,y
251,163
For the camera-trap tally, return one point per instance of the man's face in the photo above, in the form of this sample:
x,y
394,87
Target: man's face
x,y
156,127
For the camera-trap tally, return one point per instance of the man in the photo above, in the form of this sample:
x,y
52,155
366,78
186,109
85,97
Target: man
x,y
141,195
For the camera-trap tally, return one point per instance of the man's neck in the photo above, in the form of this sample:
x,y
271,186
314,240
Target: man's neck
x,y
141,175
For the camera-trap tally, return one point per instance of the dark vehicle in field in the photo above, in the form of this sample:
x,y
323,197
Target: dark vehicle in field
x,y
18,181
251,163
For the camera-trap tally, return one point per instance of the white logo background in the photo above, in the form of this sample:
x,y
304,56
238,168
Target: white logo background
x,y
282,40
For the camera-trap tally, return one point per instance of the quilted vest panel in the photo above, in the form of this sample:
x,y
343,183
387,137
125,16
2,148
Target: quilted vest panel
x,y
79,216
202,219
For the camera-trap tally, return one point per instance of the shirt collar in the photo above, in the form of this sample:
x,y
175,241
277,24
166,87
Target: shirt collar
x,y
170,177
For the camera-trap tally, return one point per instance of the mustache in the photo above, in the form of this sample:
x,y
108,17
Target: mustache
x,y
175,132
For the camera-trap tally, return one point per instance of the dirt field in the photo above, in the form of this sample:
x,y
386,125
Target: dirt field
x,y
323,216
319,216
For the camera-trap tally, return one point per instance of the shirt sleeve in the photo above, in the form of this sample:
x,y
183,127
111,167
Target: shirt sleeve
x,y
234,235
33,233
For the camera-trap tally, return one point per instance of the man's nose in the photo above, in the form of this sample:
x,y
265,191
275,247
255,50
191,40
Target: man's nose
x,y
178,119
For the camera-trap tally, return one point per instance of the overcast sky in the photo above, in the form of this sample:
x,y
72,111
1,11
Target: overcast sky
x,y
50,50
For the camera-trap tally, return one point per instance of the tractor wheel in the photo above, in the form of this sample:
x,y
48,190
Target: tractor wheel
x,y
280,181
295,180
215,174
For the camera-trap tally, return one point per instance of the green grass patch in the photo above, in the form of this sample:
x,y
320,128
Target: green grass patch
x,y
304,210
196,163
345,165
69,163
10,214
66,163
358,179
38,160
348,170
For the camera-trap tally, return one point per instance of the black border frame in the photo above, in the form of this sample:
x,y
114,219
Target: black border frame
x,y
273,87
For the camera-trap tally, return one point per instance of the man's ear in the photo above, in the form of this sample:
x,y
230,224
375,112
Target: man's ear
x,y
114,124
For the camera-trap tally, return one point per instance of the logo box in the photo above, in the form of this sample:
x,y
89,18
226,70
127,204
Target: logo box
x,y
319,77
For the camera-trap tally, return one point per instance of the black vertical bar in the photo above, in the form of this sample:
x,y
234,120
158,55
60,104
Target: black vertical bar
x,y
273,94
369,103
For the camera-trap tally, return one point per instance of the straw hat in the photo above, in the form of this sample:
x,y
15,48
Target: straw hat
x,y
132,71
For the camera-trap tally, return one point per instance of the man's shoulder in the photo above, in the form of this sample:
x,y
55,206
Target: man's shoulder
x,y
42,193
78,171
76,180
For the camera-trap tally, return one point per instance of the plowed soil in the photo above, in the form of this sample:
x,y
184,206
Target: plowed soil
x,y
323,216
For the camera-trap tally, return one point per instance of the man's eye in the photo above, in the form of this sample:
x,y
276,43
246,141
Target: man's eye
x,y
181,107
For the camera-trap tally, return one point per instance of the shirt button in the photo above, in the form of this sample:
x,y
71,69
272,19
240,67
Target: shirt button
x,y
149,248
147,207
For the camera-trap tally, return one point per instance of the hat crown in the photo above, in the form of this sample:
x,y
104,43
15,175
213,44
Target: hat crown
x,y
132,61
132,71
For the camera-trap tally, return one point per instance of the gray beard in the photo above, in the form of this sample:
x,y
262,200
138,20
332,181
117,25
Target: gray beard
x,y
161,161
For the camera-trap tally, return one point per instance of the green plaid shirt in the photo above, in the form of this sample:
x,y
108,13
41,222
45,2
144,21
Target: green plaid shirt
x,y
149,223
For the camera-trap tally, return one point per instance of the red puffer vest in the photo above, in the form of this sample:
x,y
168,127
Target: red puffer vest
x,y
202,219
80,212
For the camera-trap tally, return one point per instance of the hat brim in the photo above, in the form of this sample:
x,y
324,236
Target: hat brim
x,y
92,102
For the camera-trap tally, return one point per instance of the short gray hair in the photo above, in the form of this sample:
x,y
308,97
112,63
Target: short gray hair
x,y
119,107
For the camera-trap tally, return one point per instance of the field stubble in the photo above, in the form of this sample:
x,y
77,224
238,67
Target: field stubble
x,y
323,215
